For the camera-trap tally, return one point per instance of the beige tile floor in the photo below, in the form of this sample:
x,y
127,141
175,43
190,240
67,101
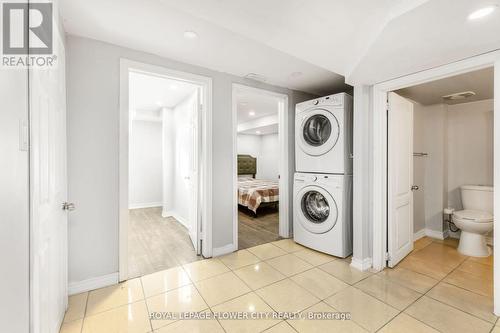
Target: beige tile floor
x,y
434,289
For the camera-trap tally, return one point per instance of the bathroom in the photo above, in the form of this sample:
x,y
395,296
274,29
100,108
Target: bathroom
x,y
453,189
453,147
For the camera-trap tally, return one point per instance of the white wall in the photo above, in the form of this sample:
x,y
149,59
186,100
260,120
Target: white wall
x,y
269,156
145,164
470,147
266,149
14,207
459,141
93,80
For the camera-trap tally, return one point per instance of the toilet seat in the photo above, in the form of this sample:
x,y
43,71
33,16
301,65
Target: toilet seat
x,y
475,216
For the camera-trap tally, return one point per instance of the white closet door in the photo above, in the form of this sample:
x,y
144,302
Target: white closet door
x,y
48,193
400,178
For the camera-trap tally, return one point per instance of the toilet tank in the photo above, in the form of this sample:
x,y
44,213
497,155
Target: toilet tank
x,y
477,197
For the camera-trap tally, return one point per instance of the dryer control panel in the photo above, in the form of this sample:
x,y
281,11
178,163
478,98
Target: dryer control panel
x,y
332,100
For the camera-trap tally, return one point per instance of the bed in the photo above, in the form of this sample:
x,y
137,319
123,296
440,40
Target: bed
x,y
254,193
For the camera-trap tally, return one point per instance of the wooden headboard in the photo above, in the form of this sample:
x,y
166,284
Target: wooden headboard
x,y
247,165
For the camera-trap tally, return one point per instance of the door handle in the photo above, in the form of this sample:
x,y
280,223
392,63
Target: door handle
x,y
415,188
69,206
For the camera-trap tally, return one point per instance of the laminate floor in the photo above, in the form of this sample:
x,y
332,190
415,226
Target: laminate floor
x,y
156,243
253,231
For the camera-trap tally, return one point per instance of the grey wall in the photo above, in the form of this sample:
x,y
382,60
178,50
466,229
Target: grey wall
x,y
93,81
430,172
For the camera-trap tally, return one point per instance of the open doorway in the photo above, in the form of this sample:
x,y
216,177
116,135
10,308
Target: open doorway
x,y
261,172
163,176
440,167
440,163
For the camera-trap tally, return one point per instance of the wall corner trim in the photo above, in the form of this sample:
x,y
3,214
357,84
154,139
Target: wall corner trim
x,y
419,234
436,234
226,249
361,264
93,283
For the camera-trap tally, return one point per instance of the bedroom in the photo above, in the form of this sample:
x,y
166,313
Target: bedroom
x,y
258,167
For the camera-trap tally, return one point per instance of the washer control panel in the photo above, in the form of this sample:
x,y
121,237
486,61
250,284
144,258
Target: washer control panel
x,y
310,178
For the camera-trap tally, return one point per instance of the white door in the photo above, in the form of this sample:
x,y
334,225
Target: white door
x,y
400,178
48,193
193,175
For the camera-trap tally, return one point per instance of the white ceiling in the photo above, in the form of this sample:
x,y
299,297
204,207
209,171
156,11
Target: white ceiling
x,y
259,104
480,82
434,34
156,27
367,41
150,93
256,113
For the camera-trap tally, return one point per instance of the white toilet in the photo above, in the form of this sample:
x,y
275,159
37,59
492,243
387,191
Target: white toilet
x,y
476,220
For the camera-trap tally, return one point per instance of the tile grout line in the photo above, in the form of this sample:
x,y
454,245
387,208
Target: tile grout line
x,y
204,300
427,292
147,307
85,311
403,311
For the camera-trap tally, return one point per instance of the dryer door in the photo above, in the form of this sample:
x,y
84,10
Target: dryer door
x,y
317,209
319,132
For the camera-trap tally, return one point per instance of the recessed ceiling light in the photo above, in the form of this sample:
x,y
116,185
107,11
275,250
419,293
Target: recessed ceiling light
x,y
483,12
251,113
257,132
190,34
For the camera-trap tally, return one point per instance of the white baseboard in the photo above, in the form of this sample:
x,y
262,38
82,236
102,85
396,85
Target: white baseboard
x,y
419,234
436,234
145,205
226,249
175,215
362,264
93,283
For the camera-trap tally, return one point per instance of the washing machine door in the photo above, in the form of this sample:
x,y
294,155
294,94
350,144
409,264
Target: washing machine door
x,y
317,209
319,132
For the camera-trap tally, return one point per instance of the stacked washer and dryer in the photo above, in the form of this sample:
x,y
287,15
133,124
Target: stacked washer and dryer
x,y
322,218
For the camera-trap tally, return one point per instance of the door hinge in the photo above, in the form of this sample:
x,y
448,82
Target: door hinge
x,y
387,256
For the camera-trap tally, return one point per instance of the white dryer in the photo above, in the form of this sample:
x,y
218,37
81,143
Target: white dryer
x,y
323,135
322,218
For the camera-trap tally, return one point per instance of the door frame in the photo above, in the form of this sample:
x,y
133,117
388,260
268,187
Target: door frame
x,y
284,166
205,155
379,151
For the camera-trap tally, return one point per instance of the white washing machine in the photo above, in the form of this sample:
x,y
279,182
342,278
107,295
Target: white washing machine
x,y
323,135
322,218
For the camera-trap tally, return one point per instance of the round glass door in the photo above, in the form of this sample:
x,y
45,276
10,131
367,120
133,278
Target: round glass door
x,y
315,207
317,130
318,209
320,132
